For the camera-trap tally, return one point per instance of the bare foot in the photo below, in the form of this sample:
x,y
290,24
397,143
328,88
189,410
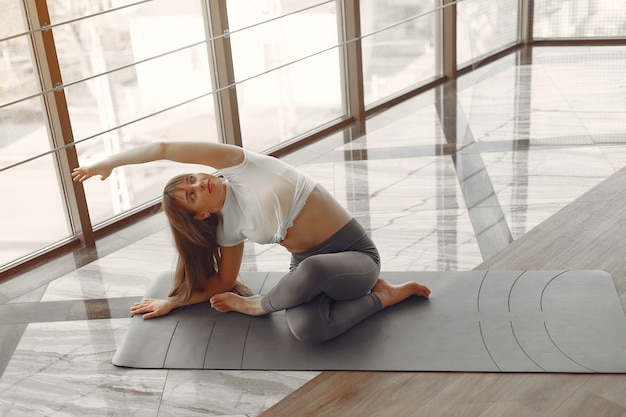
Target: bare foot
x,y
229,301
392,294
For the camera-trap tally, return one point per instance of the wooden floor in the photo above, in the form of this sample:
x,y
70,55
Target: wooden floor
x,y
587,234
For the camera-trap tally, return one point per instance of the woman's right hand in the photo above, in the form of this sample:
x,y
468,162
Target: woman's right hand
x,y
151,308
84,173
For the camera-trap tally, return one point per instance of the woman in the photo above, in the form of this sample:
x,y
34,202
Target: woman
x,y
333,279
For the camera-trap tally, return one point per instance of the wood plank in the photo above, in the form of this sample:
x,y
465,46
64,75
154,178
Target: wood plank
x,y
544,393
587,234
609,387
326,394
584,403
403,394
471,394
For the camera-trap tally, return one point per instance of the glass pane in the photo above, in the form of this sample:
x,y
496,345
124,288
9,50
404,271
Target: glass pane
x,y
579,19
16,70
280,94
62,10
116,102
288,102
24,133
32,213
108,41
243,14
178,81
485,27
398,46
17,77
18,80
178,75
12,21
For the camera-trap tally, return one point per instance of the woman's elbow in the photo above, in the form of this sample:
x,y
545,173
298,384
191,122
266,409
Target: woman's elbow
x,y
159,149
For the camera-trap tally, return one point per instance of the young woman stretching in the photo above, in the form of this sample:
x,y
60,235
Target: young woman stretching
x,y
333,280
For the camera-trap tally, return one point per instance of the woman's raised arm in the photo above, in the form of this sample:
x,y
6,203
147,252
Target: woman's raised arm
x,y
215,155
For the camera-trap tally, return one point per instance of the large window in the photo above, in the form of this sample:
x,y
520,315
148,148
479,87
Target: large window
x,y
399,46
485,27
32,213
286,61
579,19
82,80
131,72
136,75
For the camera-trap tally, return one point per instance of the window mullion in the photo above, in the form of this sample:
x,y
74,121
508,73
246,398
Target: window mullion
x,y
449,39
58,118
349,21
526,21
222,71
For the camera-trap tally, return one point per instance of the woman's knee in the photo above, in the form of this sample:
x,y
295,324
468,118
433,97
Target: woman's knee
x,y
305,335
310,270
307,325
309,335
313,263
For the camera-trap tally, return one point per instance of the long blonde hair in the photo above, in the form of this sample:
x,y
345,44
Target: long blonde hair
x,y
195,241
196,244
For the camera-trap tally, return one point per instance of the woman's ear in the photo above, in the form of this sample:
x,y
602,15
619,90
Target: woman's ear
x,y
203,215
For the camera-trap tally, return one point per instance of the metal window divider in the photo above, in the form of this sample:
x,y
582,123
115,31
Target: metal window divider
x,y
58,122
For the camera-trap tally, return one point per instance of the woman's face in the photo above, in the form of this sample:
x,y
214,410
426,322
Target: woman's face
x,y
201,194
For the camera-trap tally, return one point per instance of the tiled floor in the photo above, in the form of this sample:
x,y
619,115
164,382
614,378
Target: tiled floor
x,y
522,138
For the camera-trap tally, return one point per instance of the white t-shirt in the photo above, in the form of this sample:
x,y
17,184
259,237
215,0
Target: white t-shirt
x,y
264,196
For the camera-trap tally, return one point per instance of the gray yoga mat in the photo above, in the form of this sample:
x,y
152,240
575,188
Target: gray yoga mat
x,y
475,321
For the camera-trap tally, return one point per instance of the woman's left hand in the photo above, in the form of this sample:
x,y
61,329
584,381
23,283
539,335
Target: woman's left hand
x,y
151,308
101,168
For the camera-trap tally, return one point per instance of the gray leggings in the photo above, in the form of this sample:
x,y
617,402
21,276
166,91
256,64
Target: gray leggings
x,y
327,289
